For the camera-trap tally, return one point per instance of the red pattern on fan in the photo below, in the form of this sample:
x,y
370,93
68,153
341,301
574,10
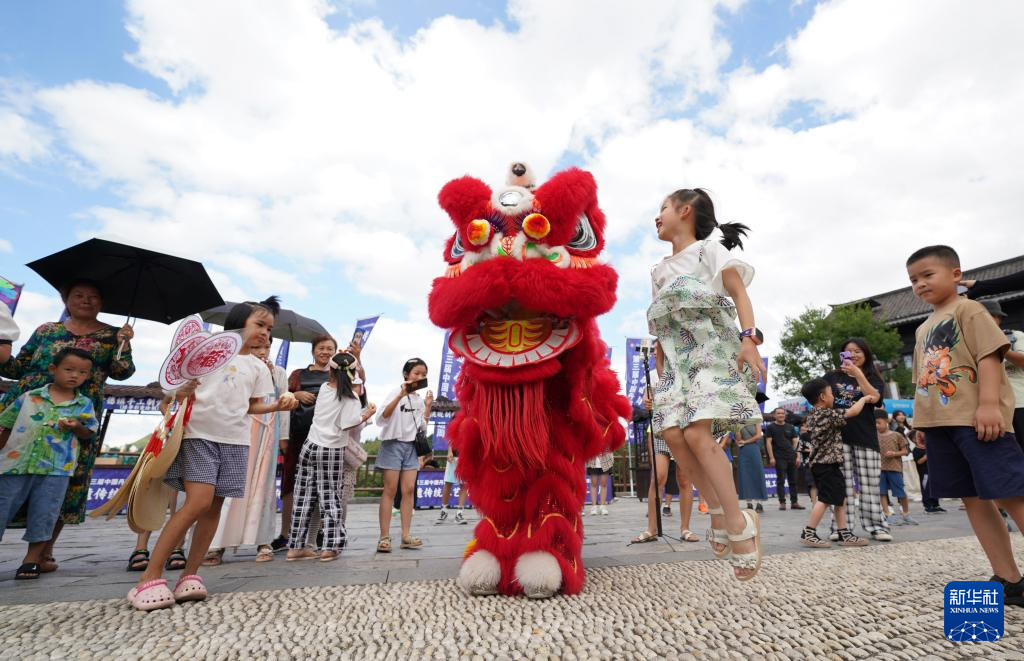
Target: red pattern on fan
x,y
211,355
171,377
189,326
537,395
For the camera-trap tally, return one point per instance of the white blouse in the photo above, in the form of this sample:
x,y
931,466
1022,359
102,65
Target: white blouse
x,y
707,267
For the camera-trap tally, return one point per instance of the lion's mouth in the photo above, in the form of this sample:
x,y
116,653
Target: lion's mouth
x,y
513,337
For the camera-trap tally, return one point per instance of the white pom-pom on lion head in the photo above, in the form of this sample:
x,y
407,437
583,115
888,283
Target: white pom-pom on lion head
x,y
520,174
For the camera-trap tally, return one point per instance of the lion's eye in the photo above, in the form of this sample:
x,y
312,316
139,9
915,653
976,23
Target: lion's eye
x,y
584,239
457,250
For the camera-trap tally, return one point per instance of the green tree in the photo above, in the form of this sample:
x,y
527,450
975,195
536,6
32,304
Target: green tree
x,y
811,344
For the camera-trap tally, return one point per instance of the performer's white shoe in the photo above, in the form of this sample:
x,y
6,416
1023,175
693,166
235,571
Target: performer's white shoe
x,y
480,574
539,574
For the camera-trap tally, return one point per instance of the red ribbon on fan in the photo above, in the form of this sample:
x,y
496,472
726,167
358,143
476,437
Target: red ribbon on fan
x,y
155,445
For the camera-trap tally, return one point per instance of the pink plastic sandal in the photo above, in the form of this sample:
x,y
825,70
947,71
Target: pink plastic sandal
x,y
152,595
190,588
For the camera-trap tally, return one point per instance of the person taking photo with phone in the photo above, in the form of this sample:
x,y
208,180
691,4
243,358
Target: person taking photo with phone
x,y
404,415
857,378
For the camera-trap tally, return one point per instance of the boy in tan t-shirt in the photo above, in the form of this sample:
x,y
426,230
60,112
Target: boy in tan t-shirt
x,y
963,411
893,446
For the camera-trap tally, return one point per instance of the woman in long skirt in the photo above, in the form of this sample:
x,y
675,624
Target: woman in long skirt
x,y
751,484
253,519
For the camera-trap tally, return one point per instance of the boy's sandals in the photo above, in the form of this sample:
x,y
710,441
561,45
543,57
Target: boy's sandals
x,y
749,561
718,536
689,536
411,542
176,560
213,558
384,545
264,553
328,556
48,565
300,554
643,538
138,560
28,571
151,595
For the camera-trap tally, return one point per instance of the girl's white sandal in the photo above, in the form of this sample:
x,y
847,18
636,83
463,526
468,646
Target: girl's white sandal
x,y
748,561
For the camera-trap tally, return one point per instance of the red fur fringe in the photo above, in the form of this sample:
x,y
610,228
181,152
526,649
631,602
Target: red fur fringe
x,y
517,426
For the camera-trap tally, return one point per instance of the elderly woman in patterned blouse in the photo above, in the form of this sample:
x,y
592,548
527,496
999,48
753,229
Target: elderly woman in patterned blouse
x,y
81,329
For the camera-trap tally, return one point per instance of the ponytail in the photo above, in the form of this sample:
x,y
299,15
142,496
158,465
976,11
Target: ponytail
x,y
342,367
704,217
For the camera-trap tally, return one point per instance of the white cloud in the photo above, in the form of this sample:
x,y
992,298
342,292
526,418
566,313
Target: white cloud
x,y
5,246
291,131
913,147
21,138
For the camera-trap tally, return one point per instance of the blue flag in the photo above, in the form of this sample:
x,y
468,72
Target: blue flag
x,y
9,294
282,354
363,329
448,373
635,380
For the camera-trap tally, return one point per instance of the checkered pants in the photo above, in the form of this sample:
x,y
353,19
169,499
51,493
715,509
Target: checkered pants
x,y
319,482
866,464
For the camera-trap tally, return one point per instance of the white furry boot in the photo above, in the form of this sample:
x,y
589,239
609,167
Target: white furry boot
x,y
480,574
539,574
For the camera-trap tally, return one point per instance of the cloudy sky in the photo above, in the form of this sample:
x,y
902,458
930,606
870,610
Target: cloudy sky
x,y
296,147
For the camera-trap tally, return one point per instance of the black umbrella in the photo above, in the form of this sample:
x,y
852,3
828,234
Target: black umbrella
x,y
134,281
289,325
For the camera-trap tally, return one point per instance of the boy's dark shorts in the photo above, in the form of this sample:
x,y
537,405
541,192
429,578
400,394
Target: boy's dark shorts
x,y
828,478
961,466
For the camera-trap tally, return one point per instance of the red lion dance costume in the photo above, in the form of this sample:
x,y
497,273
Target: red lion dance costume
x,y
537,396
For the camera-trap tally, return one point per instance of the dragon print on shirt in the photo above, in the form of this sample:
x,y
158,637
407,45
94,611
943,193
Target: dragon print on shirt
x,y
936,367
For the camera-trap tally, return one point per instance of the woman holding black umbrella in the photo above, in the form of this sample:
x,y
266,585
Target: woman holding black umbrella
x,y
83,300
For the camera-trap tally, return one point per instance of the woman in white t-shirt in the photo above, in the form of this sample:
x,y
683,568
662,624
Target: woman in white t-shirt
x,y
340,414
403,416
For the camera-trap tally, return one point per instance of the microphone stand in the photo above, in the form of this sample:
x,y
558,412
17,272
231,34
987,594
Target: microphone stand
x,y
649,434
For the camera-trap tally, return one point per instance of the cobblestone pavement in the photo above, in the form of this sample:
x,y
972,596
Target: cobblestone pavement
x,y
880,602
93,556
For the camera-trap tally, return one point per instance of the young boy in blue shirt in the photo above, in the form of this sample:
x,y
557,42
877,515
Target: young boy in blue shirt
x,y
963,411
39,434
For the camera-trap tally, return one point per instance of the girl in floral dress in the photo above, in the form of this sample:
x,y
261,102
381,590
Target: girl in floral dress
x,y
707,369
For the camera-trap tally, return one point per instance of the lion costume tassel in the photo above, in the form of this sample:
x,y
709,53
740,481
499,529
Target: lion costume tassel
x,y
538,399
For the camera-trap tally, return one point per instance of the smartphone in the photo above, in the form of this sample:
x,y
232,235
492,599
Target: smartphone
x,y
416,385
845,356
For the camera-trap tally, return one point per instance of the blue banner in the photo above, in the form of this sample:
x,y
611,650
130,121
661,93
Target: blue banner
x,y
430,488
447,375
635,381
104,483
282,354
363,329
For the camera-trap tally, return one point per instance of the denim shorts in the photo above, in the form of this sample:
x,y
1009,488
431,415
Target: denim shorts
x,y
220,464
397,456
961,466
45,496
891,482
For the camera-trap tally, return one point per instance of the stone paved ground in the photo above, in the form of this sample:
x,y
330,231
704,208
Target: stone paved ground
x,y
648,601
93,555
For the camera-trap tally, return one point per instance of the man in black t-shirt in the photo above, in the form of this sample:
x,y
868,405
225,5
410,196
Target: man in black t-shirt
x,y
782,440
